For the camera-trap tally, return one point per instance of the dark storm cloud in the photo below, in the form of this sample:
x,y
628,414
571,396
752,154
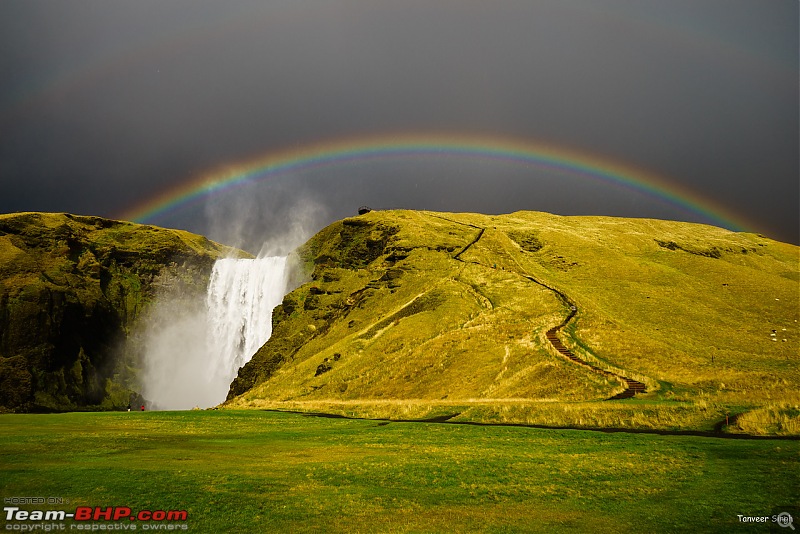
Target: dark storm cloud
x,y
105,104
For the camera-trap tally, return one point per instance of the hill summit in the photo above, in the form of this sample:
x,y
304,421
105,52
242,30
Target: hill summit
x,y
540,319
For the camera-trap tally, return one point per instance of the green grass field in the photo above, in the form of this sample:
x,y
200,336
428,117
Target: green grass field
x,y
252,471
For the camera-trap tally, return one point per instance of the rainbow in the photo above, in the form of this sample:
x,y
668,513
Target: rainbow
x,y
341,151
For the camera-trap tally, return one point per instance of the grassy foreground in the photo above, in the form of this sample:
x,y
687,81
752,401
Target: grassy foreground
x,y
251,471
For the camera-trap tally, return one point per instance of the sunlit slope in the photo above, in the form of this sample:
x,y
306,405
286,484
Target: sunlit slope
x,y
418,305
391,314
691,305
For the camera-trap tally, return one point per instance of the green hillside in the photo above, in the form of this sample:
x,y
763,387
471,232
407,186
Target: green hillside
x,y
420,314
71,290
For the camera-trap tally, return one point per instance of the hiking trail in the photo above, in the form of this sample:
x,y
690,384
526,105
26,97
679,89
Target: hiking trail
x,y
632,386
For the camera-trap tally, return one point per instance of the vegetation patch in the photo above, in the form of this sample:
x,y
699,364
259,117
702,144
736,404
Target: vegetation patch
x,y
527,241
781,419
712,251
425,302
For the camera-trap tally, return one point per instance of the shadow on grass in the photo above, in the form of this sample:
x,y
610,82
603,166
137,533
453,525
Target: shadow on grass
x,y
447,419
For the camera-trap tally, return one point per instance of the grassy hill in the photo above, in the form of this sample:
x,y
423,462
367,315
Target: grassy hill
x,y
71,290
421,314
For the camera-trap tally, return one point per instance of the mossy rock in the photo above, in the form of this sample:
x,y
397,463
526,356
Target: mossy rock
x,y
71,290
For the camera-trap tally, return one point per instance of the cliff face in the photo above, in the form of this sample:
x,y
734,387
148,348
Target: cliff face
x,y
71,290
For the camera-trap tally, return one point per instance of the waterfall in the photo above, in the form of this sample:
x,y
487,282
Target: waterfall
x,y
241,297
192,354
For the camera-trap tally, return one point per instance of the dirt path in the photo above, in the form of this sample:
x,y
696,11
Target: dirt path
x,y
632,387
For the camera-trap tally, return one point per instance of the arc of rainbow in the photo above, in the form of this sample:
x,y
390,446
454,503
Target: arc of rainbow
x,y
342,151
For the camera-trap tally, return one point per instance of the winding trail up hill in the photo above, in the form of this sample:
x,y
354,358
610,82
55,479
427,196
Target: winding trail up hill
x,y
632,387
468,312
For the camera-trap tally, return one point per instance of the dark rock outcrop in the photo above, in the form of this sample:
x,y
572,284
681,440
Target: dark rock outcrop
x,y
71,290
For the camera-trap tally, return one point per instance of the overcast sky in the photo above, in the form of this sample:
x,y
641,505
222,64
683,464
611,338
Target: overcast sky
x,y
104,104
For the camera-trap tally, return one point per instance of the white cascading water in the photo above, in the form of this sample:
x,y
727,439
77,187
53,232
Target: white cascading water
x,y
192,356
241,297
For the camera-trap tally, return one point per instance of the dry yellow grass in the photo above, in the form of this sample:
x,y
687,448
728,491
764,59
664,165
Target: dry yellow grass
x,y
780,419
641,415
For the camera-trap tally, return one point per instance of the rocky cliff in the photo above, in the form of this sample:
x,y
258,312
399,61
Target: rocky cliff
x,y
71,291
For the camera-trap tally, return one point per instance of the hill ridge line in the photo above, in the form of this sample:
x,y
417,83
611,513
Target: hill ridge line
x,y
632,386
